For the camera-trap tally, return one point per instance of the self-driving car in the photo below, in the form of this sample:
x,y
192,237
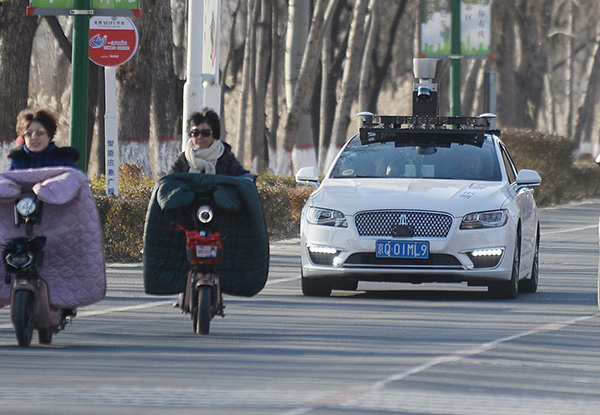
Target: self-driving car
x,y
420,199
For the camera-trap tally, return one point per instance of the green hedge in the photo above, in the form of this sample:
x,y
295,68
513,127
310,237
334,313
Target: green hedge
x,y
551,156
282,198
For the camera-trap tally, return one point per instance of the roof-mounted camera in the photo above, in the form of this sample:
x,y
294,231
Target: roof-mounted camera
x,y
425,92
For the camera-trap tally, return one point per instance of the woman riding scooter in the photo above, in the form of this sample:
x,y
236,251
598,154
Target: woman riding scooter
x,y
53,246
205,231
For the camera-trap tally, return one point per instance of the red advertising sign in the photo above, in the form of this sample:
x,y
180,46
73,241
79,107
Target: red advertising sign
x,y
113,40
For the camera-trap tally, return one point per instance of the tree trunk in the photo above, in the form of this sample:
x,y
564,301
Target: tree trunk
x,y
296,38
135,95
263,57
365,70
332,60
16,40
587,109
167,93
303,89
379,71
350,78
246,80
277,40
521,77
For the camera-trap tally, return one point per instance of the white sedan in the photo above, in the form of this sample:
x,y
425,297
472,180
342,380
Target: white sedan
x,y
416,206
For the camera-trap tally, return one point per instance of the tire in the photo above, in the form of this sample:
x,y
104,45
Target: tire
x,y
312,287
530,285
203,315
23,317
45,335
510,289
346,285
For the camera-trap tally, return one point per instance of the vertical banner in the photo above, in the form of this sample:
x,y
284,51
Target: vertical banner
x,y
475,30
210,66
435,28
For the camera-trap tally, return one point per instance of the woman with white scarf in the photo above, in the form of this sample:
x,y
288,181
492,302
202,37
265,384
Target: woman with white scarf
x,y
204,151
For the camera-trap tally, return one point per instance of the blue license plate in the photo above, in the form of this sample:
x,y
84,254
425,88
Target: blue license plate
x,y
402,249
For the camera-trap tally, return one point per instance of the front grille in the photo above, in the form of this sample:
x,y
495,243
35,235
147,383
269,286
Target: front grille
x,y
422,224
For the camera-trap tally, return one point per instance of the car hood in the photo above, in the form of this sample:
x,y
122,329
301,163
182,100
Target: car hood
x,y
455,197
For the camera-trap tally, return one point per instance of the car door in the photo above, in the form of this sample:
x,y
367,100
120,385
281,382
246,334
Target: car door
x,y
525,204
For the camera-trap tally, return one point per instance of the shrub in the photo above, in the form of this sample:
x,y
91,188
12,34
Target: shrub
x,y
122,218
552,157
282,200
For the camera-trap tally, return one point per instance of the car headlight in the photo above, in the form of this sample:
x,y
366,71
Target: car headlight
x,y
490,219
326,217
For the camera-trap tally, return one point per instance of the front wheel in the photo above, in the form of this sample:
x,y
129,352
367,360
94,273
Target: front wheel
x,y
530,285
315,287
203,312
23,317
510,289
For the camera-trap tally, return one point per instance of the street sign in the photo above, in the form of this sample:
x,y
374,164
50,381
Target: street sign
x,y
99,7
113,40
475,28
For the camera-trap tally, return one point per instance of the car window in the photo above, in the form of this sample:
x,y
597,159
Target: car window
x,y
386,160
509,165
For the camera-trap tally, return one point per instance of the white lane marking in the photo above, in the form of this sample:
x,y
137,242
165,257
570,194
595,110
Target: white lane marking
x,y
583,228
356,394
277,281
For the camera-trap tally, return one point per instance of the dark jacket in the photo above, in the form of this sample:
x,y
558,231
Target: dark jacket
x,y
23,158
227,164
238,217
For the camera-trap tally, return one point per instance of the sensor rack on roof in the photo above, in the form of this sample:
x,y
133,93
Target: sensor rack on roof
x,y
424,128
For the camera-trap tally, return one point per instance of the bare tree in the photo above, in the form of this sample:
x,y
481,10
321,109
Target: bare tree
x,y
16,40
148,86
263,57
521,69
247,75
372,26
350,78
321,16
167,92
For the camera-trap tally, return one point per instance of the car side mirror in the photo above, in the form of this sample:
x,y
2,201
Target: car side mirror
x,y
308,175
528,178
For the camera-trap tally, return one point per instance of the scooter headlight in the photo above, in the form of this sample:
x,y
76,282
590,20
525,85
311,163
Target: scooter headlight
x,y
205,214
26,206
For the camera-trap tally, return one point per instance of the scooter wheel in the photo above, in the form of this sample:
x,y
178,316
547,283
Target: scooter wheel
x,y
203,315
23,317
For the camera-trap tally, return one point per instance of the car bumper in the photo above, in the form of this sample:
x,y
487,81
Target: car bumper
x,y
334,253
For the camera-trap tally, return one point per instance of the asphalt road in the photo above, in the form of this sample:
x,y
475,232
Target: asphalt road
x,y
384,349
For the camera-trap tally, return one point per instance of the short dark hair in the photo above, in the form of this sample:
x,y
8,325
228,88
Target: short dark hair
x,y
45,117
208,116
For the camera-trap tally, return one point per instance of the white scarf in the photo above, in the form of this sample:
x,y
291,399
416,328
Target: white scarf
x,y
203,160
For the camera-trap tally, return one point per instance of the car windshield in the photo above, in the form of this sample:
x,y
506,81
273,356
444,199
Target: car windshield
x,y
449,161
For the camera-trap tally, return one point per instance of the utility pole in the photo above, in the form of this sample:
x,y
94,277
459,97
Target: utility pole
x,y
80,81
